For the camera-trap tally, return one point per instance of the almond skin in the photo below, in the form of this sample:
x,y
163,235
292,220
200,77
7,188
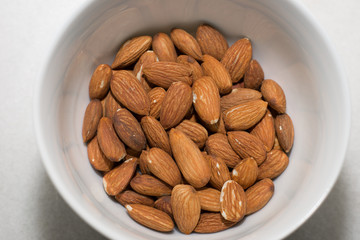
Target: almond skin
x,y
211,41
100,82
186,207
150,217
254,75
284,131
155,134
109,142
163,166
206,100
156,96
118,178
149,185
209,199
245,173
232,201
265,131
213,68
130,51
131,197
197,71
274,95
212,222
219,146
275,163
237,59
245,115
246,145
186,43
97,158
111,105
238,96
163,74
259,195
129,130
219,172
195,131
164,204
164,47
128,91
92,116
176,104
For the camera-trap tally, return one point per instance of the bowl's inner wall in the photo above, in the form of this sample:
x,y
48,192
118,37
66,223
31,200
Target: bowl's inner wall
x,y
290,51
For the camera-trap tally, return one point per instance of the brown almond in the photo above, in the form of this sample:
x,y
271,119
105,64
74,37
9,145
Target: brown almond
x,y
197,71
232,201
212,222
92,116
265,131
284,131
156,96
245,115
254,75
195,131
186,43
275,163
130,51
237,59
274,95
150,217
109,142
219,172
164,47
164,204
186,207
97,158
245,173
209,199
149,185
144,169
128,91
118,178
192,164
111,105
163,74
238,96
176,104
259,195
211,41
100,81
131,197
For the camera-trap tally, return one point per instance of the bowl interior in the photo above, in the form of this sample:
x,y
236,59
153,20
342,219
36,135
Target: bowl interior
x,y
290,48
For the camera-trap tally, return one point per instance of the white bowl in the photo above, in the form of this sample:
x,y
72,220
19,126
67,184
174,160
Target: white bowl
x,y
292,49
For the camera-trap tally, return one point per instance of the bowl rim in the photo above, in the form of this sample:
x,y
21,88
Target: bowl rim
x,y
108,231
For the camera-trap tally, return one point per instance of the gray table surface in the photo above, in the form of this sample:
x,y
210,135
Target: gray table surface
x,y
31,208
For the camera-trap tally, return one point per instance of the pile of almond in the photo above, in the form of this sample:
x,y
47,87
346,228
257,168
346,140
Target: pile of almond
x,y
187,133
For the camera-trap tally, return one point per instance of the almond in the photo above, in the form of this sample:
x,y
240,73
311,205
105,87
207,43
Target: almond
x,y
218,145
97,158
163,74
218,127
254,75
150,186
92,116
186,207
211,223
150,217
245,115
144,169
163,166
130,51
219,171
245,173
211,41
156,96
275,163
155,134
131,197
247,145
145,59
164,47
111,105
284,131
129,130
128,91
197,71
259,195
232,201
164,204
118,178
265,131
176,104
186,43
100,82
209,199
109,142
195,131
237,59
238,96
274,95
189,159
